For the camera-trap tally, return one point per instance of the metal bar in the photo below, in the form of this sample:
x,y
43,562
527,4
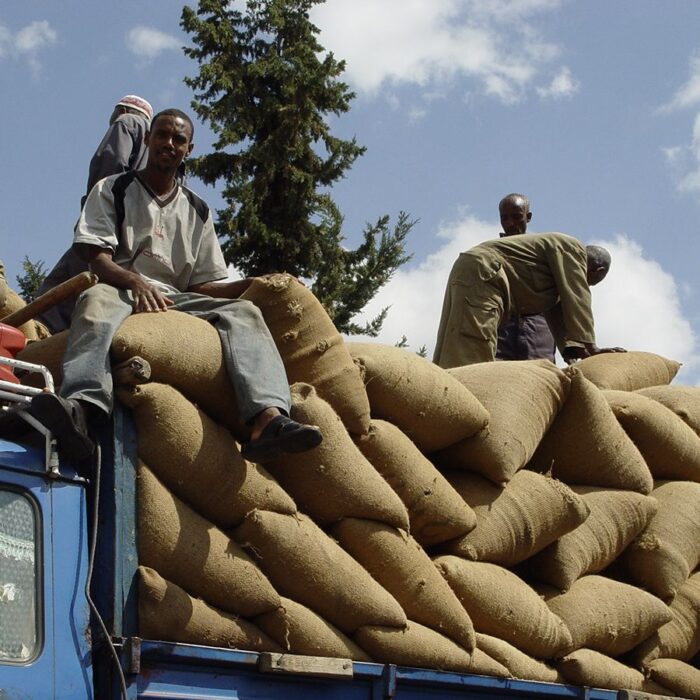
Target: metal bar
x,y
30,367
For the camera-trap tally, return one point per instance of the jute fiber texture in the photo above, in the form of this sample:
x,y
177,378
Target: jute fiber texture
x,y
522,399
403,568
436,512
668,551
616,518
679,638
48,352
591,668
628,371
307,566
518,520
310,346
587,446
170,614
184,352
416,645
423,400
608,616
198,459
679,677
191,552
334,480
502,605
670,448
299,630
519,665
684,401
32,330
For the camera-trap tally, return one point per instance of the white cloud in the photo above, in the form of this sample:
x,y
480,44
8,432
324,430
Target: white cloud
x,y
147,43
28,42
430,44
688,94
563,85
636,307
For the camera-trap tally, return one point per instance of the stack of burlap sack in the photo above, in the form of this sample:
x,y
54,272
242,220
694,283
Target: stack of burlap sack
x,y
507,519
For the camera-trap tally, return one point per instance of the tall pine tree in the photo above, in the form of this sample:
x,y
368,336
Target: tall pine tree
x,y
266,88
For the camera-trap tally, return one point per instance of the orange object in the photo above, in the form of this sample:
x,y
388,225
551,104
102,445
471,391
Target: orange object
x,y
11,342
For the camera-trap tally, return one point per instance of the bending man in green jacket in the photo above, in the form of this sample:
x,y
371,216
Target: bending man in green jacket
x,y
548,273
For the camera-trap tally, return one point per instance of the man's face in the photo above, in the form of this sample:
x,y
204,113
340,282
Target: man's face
x,y
168,141
514,217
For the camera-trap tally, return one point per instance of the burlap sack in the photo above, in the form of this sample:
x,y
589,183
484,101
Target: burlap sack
x,y
616,518
307,566
504,606
423,400
664,555
13,302
628,371
679,677
48,352
401,566
519,665
670,448
169,614
522,399
516,521
590,668
197,459
436,511
299,630
679,638
311,348
184,352
684,401
416,645
334,480
587,446
191,552
608,616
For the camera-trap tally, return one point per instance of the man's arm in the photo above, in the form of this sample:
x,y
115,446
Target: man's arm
x,y
147,298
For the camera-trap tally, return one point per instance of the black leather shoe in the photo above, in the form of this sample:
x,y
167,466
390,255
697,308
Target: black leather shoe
x,y
65,418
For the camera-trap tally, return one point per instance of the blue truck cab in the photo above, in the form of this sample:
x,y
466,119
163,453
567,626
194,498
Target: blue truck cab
x,y
67,545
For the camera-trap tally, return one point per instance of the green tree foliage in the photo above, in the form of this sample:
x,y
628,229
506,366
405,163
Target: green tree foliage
x,y
30,281
266,87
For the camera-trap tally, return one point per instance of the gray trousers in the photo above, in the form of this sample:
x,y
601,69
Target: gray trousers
x,y
253,363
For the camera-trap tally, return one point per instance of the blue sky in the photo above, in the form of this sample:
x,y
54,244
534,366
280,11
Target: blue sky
x,y
589,107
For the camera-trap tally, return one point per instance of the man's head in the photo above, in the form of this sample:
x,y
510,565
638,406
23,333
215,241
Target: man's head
x,y
514,210
598,260
169,139
132,104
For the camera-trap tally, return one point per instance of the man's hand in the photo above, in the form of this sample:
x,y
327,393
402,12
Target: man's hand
x,y
147,298
572,354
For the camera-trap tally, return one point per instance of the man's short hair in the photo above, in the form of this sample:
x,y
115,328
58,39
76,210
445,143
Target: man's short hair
x,y
515,197
174,112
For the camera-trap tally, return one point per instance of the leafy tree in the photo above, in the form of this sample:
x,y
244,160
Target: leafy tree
x,y
30,281
267,88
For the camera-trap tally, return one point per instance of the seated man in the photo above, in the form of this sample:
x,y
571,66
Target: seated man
x,y
521,337
546,273
152,243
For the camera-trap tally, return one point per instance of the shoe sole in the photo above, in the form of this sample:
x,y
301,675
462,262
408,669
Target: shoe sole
x,y
293,443
50,412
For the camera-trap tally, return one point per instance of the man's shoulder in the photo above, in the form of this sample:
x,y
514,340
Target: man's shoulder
x,y
196,202
555,238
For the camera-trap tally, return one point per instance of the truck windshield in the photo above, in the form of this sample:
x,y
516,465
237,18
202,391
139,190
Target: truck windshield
x,y
18,578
